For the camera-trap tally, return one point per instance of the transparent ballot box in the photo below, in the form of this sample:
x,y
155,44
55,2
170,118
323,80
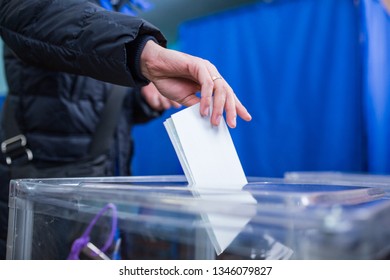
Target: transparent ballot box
x,y
339,178
162,217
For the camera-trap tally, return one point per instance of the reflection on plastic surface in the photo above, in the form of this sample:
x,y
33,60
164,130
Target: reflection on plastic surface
x,y
219,237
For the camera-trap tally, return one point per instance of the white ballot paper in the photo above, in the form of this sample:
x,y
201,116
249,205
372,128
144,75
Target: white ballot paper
x,y
210,161
206,152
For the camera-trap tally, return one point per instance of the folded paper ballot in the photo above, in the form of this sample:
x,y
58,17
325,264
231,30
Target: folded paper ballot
x,y
206,152
210,161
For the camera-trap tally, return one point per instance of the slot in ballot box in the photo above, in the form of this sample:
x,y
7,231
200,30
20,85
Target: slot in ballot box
x,y
163,217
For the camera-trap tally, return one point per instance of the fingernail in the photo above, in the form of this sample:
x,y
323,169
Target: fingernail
x,y
206,112
218,119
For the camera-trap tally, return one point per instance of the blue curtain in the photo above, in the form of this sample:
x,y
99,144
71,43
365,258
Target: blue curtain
x,y
296,65
313,74
376,30
153,151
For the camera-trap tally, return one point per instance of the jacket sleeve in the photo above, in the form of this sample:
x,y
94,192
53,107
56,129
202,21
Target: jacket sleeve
x,y
75,36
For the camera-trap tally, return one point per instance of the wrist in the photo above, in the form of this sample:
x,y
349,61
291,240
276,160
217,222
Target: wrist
x,y
148,58
134,61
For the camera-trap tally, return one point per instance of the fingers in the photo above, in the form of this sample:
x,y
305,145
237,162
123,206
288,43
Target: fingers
x,y
231,112
174,104
207,88
156,100
163,103
224,99
180,76
209,92
242,111
166,104
219,102
151,96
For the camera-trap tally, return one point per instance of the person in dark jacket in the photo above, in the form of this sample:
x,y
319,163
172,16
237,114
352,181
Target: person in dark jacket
x,y
58,113
62,59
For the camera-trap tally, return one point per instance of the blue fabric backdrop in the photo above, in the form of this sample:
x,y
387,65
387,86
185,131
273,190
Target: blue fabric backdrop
x,y
376,28
296,65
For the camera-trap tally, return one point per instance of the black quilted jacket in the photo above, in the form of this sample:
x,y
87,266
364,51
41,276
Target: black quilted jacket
x,y
60,58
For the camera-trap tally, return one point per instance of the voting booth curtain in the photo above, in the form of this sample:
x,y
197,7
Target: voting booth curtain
x,y
313,74
376,30
296,65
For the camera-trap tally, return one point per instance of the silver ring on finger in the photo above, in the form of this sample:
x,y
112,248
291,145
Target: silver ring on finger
x,y
216,78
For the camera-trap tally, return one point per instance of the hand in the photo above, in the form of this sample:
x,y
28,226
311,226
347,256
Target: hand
x,y
386,3
156,100
179,76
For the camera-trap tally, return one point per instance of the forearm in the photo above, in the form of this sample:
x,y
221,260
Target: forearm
x,y
73,36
